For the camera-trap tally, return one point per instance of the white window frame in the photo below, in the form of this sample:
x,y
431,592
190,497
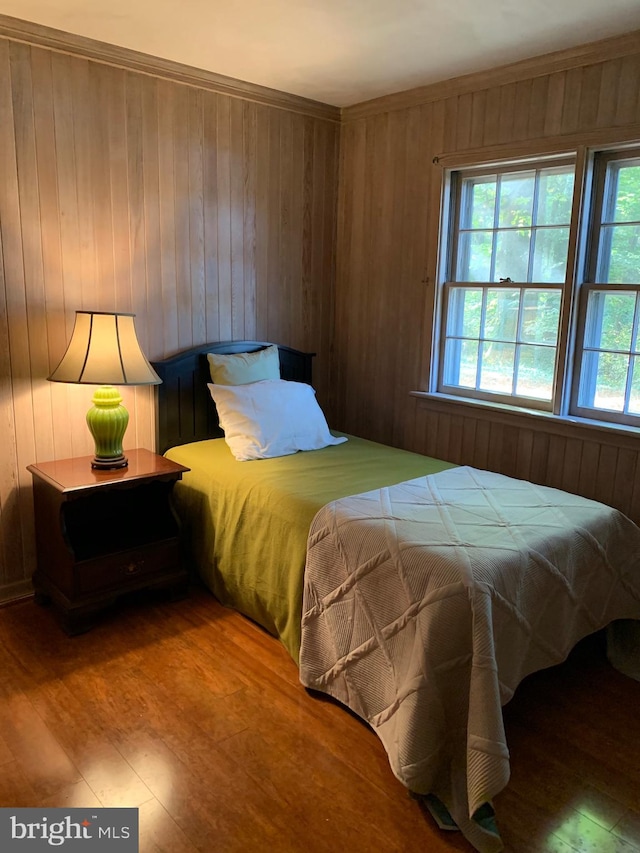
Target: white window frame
x,y
591,284
581,259
450,254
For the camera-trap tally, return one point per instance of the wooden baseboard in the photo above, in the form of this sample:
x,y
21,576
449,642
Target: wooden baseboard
x,y
16,592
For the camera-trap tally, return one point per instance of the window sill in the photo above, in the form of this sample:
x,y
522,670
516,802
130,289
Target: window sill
x,y
536,418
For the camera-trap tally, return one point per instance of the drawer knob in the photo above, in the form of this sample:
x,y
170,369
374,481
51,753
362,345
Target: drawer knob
x,y
133,567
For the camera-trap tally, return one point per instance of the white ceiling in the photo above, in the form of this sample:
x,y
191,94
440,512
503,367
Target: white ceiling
x,y
340,52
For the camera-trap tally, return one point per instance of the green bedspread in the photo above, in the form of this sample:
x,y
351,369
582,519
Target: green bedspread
x,y
247,522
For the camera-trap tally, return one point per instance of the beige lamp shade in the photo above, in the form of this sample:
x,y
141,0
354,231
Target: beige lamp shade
x,y
104,350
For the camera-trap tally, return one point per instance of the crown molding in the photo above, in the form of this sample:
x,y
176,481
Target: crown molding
x,y
15,29
526,69
83,47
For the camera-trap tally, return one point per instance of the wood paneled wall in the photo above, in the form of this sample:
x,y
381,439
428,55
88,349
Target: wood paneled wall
x,y
211,216
389,205
208,207
597,463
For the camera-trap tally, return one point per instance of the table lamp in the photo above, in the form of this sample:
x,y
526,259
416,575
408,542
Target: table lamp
x,y
104,351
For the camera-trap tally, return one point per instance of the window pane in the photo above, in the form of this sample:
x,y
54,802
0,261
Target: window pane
x,y
461,363
619,255
496,373
541,316
474,256
627,202
508,280
512,255
555,195
516,200
465,311
550,255
535,372
610,320
634,400
479,202
501,320
603,380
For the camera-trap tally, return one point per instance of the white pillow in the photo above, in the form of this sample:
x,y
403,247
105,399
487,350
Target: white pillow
x,y
271,418
241,368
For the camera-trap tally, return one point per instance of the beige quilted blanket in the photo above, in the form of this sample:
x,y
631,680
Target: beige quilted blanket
x,y
426,603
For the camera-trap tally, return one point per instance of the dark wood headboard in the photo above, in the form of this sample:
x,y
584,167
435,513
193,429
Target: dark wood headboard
x,y
185,410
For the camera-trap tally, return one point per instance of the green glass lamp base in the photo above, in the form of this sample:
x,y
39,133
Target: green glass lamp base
x,y
107,421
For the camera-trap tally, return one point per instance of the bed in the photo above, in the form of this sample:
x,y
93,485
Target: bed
x,y
257,565
417,593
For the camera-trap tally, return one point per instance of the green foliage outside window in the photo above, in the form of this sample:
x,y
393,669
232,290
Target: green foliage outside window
x,y
514,226
611,315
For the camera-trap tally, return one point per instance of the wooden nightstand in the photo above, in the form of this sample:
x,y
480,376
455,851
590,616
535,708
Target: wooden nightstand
x,y
100,534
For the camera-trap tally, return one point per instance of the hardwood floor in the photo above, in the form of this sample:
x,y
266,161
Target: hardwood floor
x,y
195,716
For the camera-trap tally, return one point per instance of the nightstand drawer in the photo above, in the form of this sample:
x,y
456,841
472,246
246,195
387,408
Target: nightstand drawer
x,y
100,533
128,567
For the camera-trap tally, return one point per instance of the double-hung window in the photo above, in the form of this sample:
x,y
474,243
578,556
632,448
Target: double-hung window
x,y
540,301
606,381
